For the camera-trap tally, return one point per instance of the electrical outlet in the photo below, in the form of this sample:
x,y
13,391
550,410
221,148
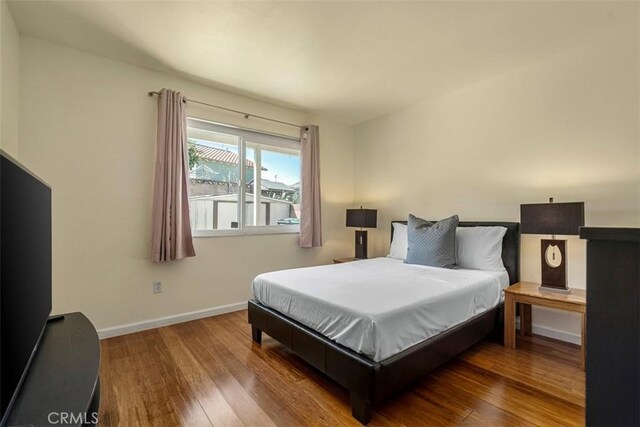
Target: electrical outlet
x,y
157,287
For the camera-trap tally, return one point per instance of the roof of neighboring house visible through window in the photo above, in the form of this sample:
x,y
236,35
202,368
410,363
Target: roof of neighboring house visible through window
x,y
274,185
219,155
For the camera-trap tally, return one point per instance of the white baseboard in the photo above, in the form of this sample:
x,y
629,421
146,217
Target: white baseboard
x,y
130,328
557,334
169,320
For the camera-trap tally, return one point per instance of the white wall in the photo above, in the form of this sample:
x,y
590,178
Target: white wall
x,y
87,127
9,81
565,127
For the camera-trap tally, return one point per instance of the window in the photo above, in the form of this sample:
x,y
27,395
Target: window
x,y
232,167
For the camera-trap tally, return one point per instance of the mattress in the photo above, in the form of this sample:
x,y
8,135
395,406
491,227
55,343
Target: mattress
x,y
381,306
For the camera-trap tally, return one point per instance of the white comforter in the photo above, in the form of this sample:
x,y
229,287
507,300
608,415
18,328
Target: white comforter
x,y
381,306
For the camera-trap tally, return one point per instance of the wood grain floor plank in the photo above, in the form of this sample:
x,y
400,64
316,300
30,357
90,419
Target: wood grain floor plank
x,y
557,377
206,392
208,372
128,409
233,392
518,399
438,387
277,367
168,391
109,413
157,400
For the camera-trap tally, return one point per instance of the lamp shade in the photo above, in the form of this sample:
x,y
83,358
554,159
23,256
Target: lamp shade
x,y
552,218
363,218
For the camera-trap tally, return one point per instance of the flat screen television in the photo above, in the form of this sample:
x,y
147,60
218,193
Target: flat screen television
x,y
25,273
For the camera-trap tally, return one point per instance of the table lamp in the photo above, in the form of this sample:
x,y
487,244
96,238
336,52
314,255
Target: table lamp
x,y
552,218
362,218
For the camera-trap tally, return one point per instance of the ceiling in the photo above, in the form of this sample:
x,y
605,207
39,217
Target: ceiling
x,y
351,60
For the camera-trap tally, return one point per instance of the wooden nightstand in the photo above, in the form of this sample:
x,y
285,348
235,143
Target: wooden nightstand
x,y
528,294
343,260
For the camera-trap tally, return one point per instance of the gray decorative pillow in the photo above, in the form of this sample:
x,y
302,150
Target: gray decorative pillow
x,y
432,244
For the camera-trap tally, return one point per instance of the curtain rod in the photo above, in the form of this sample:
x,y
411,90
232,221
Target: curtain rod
x,y
246,115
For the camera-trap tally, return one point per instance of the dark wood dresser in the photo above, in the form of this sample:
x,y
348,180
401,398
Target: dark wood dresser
x,y
62,385
613,325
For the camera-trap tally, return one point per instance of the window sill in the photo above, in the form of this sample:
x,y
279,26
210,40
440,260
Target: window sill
x,y
251,231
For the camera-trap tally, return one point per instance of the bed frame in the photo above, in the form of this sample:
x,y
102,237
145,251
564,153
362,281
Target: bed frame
x,y
368,381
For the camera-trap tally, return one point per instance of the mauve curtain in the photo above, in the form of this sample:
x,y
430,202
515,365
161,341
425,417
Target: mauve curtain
x,y
310,217
171,233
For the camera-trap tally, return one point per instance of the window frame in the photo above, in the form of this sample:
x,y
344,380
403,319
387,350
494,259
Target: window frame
x,y
252,137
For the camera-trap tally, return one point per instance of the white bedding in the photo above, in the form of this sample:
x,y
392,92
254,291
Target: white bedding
x,y
379,307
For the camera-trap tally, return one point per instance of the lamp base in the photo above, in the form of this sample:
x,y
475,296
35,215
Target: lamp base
x,y
554,263
361,244
543,288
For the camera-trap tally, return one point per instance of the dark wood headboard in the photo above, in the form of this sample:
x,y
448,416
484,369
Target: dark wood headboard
x,y
510,244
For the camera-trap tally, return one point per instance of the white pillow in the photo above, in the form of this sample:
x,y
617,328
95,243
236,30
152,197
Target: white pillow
x,y
399,243
480,247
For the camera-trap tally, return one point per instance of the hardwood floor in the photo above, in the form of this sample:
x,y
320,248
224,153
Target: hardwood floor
x,y
208,372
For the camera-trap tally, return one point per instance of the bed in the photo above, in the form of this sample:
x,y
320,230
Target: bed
x,y
374,326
